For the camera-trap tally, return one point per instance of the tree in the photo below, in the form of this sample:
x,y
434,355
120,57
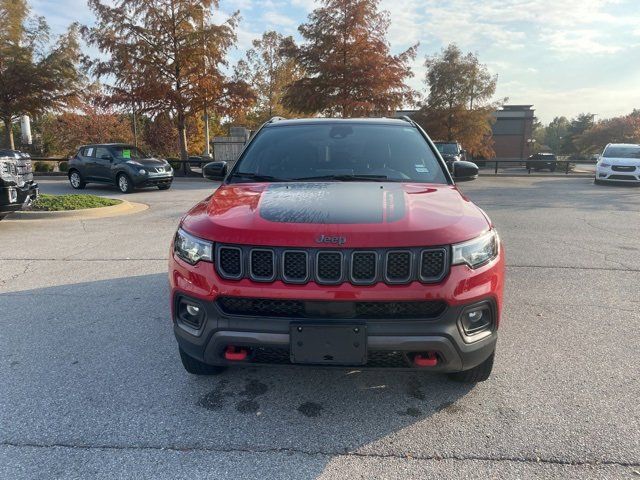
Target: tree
x,y
555,134
348,68
166,55
575,130
269,73
34,78
458,106
88,123
623,129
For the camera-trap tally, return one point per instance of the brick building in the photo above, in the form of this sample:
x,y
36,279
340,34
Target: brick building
x,y
513,131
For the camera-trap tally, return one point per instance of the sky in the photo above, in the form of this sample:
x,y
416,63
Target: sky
x,y
564,57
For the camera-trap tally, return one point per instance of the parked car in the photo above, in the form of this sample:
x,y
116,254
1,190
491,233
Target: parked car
x,y
338,242
620,162
17,187
122,165
538,161
451,152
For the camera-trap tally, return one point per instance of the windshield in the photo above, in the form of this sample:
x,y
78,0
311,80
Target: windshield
x,y
127,151
340,152
447,148
628,151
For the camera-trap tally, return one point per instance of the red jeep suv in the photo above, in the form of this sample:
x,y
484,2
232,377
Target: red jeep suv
x,y
340,242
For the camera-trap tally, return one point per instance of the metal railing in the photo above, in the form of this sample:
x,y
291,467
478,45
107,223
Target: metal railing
x,y
562,163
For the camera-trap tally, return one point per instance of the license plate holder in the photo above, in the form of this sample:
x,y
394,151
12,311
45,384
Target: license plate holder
x,y
324,344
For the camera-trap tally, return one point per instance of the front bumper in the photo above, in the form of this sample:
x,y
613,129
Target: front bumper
x,y
608,174
150,179
14,198
390,342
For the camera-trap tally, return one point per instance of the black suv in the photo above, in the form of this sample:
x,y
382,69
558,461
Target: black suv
x,y
124,165
17,187
538,161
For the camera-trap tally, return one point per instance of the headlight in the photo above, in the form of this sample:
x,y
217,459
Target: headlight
x,y
192,249
604,165
478,251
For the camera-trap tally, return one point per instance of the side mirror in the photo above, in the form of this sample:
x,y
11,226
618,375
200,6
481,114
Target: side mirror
x,y
464,171
215,170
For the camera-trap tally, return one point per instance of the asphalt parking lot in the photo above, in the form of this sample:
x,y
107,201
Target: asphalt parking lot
x,y
91,385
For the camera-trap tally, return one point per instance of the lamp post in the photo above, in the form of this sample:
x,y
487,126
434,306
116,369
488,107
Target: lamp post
x,y
207,151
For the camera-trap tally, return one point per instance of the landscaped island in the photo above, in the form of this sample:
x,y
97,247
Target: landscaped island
x,y
54,203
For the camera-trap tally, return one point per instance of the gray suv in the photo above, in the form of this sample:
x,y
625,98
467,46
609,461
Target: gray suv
x,y
120,164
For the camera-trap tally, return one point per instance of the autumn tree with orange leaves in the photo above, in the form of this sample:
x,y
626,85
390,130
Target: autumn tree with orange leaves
x,y
348,68
459,104
166,56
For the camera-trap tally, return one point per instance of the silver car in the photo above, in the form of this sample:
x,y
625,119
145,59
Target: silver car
x,y
620,162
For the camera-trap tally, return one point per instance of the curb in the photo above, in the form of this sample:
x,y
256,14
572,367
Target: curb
x,y
124,208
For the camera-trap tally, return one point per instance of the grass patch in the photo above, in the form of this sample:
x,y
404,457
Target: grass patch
x,y
56,203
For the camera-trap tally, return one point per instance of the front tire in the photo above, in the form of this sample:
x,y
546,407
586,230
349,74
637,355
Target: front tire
x,y
598,182
196,367
124,183
475,374
164,187
76,181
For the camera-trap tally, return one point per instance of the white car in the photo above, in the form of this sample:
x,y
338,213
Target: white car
x,y
620,162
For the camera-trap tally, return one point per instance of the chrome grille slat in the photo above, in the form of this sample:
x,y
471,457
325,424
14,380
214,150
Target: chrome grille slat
x,y
332,266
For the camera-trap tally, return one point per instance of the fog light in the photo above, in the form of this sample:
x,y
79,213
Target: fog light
x,y
476,319
13,195
142,171
190,314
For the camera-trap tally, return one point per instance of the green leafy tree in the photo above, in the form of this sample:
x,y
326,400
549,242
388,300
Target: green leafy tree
x,y
458,105
348,68
555,134
34,78
269,73
575,130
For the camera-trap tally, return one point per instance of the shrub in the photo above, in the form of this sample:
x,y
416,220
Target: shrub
x,y
42,167
176,165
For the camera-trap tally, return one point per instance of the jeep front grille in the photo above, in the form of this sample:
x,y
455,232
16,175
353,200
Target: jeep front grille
x,y
261,264
332,267
329,267
330,309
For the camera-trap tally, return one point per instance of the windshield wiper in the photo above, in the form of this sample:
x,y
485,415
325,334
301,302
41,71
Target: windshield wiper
x,y
256,176
346,178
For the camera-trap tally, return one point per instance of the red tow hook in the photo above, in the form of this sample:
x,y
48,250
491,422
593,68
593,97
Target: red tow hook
x,y
428,360
235,353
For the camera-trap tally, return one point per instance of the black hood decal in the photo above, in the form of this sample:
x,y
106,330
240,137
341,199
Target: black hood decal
x,y
332,202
